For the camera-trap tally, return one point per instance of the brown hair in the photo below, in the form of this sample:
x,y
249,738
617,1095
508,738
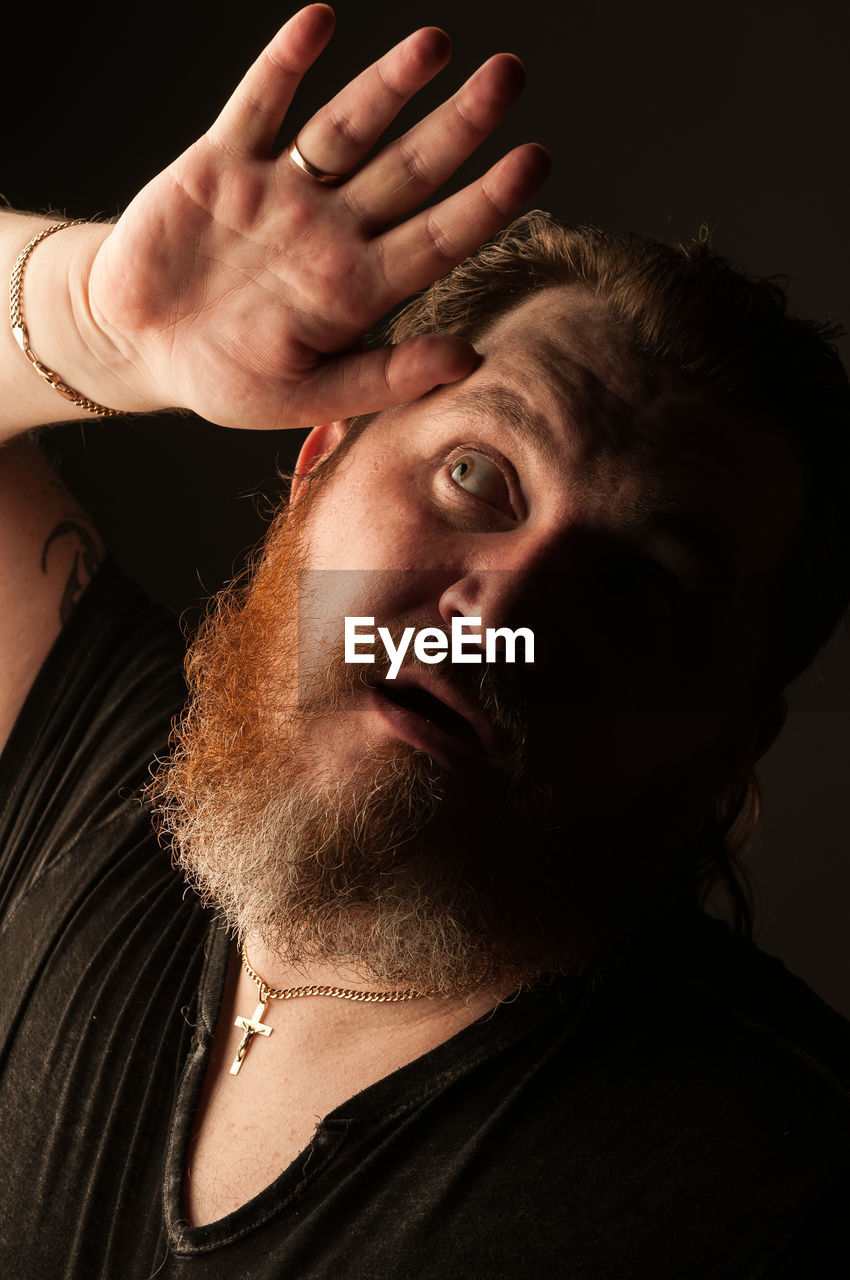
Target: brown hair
x,y
735,337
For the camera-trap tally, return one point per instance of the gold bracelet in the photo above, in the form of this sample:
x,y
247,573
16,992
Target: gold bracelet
x,y
19,328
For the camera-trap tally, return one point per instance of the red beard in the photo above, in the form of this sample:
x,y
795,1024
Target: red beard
x,y
395,872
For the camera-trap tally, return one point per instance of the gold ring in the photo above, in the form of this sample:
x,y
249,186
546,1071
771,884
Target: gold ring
x,y
329,179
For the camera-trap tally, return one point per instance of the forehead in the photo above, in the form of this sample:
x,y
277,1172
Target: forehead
x,y
563,379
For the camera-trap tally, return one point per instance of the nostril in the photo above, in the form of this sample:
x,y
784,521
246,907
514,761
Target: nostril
x,y
463,599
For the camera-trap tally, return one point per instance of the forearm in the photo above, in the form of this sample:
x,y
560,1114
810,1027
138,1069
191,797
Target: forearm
x,y
61,331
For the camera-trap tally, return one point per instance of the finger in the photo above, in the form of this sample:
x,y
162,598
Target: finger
x,y
419,251
338,137
249,122
364,382
408,172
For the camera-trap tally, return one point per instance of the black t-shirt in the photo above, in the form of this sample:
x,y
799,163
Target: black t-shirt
x,y
687,1118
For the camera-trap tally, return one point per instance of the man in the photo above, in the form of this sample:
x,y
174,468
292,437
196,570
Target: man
x,y
473,1023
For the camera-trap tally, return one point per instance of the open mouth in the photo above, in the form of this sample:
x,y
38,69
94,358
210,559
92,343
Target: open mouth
x,y
421,703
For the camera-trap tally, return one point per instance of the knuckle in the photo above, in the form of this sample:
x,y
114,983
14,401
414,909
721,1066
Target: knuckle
x,y
250,102
394,90
384,368
413,163
344,126
442,245
355,205
218,139
279,65
471,120
501,208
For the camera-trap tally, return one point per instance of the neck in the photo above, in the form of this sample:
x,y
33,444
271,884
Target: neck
x,y
281,974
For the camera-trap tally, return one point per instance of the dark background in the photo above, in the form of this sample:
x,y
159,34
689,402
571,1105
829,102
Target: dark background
x,y
660,117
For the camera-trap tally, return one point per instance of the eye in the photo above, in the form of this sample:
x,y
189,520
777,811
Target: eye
x,y
479,476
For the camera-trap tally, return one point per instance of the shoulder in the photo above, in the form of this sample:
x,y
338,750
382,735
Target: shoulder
x,y
687,1116
116,664
99,711
697,1114
714,1020
752,998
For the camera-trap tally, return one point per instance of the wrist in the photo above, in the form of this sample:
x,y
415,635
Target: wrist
x,y
62,329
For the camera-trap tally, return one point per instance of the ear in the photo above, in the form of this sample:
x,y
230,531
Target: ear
x,y
769,722
319,445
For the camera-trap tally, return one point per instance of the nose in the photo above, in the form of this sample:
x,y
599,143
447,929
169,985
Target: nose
x,y
499,597
543,585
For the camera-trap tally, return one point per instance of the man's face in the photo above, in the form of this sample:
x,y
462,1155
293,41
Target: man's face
x,y
561,488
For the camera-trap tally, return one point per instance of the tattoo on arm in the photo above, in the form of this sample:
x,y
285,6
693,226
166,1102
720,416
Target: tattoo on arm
x,y
87,559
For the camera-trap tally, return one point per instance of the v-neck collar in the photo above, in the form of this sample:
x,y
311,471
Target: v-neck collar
x,y
385,1099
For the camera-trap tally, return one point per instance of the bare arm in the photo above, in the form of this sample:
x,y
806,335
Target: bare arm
x,y
239,288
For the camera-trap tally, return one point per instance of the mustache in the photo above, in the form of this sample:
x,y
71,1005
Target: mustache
x,y
498,690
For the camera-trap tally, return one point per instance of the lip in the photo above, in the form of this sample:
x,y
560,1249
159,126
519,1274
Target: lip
x,y
416,728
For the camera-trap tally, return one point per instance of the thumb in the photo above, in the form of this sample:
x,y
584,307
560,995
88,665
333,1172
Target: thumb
x,y
365,381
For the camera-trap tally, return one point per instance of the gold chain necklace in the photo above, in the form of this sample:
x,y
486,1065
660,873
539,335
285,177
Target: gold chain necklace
x,y
254,1026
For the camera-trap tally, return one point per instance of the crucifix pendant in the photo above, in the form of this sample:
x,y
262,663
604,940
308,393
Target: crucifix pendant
x,y
253,1026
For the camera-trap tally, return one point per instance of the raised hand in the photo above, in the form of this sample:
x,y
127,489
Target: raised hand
x,y
239,287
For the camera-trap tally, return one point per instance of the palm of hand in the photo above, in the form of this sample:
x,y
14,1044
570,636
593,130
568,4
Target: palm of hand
x,y
239,287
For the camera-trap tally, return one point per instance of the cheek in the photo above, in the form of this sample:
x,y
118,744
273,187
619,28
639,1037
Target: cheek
x,y
371,521
611,763
609,730
359,537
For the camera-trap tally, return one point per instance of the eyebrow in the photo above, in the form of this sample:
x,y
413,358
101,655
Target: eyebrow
x,y
512,411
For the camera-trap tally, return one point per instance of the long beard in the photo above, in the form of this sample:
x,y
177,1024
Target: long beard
x,y
394,871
